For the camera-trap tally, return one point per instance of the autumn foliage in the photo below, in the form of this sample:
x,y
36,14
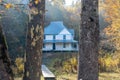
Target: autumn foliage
x,y
111,12
112,16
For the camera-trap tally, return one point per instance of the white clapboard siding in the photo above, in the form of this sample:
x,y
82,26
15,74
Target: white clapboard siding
x,y
59,46
65,31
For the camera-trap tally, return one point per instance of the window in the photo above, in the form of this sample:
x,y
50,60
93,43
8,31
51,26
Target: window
x,y
64,45
74,45
64,37
43,45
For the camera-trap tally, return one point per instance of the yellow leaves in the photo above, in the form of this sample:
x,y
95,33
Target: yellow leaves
x,y
18,61
70,65
112,16
9,5
73,61
20,64
21,67
112,8
36,1
108,63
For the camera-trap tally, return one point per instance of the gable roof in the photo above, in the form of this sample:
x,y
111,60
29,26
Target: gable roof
x,y
54,28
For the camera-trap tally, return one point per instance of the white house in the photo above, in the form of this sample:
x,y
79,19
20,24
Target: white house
x,y
58,38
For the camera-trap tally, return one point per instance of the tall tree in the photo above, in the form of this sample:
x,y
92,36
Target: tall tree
x,y
112,16
89,39
34,41
5,69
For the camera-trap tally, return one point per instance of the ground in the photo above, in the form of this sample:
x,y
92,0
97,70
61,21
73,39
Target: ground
x,y
109,76
49,59
102,76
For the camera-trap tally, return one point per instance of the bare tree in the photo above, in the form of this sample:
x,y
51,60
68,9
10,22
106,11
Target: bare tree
x,y
89,41
34,41
5,69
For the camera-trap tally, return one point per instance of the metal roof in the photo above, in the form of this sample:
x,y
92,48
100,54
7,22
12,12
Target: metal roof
x,y
56,27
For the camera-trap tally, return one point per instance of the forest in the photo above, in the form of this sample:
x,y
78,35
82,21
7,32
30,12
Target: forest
x,y
17,15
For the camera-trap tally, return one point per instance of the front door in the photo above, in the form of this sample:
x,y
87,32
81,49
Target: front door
x,y
53,46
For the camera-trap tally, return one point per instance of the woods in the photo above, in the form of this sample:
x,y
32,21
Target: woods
x,y
24,33
112,11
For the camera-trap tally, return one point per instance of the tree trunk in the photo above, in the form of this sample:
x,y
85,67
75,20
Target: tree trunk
x,y
5,70
34,41
89,41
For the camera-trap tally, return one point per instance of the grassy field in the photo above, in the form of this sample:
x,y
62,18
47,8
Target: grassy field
x,y
102,76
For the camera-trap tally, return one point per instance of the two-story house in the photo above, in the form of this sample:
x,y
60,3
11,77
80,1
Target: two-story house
x,y
58,38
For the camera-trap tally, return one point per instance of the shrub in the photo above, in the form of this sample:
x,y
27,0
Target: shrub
x,y
70,65
108,63
20,65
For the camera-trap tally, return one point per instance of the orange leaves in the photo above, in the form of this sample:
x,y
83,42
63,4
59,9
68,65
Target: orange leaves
x,y
8,5
112,16
112,8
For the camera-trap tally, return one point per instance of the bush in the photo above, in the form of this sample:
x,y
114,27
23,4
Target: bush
x,y
70,65
20,65
109,64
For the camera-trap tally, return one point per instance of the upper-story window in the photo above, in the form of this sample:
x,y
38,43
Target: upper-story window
x,y
64,37
53,37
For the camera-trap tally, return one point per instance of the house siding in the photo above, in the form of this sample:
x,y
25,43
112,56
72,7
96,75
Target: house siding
x,y
69,37
56,35
64,31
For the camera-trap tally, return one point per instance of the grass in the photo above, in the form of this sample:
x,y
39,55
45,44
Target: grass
x,y
102,76
49,60
109,76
